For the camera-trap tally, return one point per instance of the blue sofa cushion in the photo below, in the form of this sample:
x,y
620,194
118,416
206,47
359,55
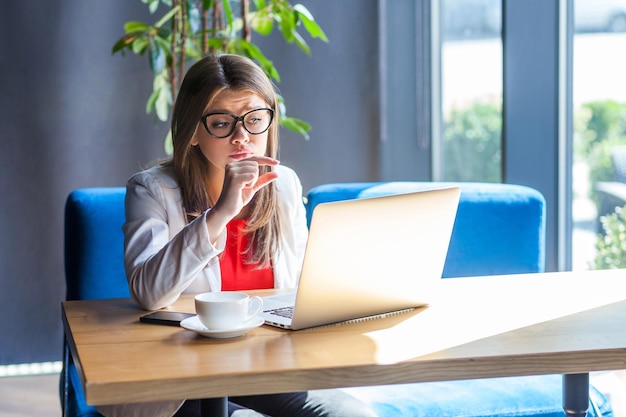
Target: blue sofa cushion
x,y
94,244
76,405
530,396
499,228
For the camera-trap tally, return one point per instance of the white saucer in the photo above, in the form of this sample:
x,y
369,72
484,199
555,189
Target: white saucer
x,y
195,325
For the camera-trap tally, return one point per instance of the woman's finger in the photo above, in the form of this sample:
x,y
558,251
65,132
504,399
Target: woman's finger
x,y
265,179
263,160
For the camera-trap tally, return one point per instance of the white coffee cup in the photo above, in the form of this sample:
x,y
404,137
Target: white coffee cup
x,y
226,310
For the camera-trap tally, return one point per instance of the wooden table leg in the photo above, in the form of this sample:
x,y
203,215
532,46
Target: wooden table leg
x,y
576,395
217,407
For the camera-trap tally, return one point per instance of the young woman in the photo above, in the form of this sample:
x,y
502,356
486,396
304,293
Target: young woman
x,y
223,214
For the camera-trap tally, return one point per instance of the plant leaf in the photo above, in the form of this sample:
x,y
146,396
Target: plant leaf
x,y
193,17
309,22
216,44
152,5
259,4
157,57
125,41
168,145
134,26
161,98
140,45
228,12
299,40
296,125
165,46
164,33
262,23
288,27
162,104
152,100
254,52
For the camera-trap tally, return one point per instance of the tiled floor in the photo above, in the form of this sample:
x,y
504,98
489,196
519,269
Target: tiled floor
x,y
34,396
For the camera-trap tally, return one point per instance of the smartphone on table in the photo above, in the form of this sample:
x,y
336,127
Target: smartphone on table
x,y
167,318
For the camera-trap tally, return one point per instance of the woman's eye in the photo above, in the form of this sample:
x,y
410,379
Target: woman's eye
x,y
220,125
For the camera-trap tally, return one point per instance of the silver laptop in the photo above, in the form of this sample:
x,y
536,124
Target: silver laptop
x,y
367,257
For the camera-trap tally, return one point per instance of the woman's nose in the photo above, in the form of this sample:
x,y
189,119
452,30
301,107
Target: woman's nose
x,y
239,135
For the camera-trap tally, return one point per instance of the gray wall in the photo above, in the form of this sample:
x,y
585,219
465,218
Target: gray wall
x,y
71,116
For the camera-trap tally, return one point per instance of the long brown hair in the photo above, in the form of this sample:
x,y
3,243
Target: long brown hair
x,y
203,81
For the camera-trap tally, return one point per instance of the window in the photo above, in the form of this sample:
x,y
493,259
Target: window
x,y
471,90
508,89
599,107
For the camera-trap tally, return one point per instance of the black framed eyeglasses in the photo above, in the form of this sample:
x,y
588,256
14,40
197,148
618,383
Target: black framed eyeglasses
x,y
222,125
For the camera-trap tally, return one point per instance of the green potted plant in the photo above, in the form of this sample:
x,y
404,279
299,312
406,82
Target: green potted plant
x,y
611,244
190,29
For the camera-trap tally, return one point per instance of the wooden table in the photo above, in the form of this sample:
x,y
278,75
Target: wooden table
x,y
554,323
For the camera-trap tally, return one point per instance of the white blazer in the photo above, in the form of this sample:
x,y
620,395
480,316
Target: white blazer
x,y
165,256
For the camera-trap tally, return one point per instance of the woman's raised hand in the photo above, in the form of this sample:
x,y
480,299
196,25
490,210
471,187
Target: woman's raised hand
x,y
241,182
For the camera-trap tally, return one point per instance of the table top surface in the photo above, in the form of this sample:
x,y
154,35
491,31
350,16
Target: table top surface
x,y
479,327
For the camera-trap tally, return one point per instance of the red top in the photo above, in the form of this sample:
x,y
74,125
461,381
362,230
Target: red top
x,y
237,275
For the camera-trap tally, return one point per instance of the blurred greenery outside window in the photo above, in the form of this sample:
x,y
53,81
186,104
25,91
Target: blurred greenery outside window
x,y
599,127
471,113
472,143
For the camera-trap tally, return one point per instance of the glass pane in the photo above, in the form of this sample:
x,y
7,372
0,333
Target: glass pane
x,y
471,90
599,95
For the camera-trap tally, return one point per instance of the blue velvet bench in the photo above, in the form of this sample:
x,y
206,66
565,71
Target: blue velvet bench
x,y
499,229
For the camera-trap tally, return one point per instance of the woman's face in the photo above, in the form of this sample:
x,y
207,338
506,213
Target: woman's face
x,y
240,144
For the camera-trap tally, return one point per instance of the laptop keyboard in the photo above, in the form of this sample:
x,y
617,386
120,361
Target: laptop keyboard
x,y
282,312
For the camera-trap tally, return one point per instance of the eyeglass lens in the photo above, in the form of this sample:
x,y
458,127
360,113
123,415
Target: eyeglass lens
x,y
222,125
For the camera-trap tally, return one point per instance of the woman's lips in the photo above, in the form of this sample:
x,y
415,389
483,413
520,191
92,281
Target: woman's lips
x,y
240,155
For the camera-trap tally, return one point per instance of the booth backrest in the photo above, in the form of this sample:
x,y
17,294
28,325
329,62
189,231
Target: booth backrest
x,y
94,244
499,228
